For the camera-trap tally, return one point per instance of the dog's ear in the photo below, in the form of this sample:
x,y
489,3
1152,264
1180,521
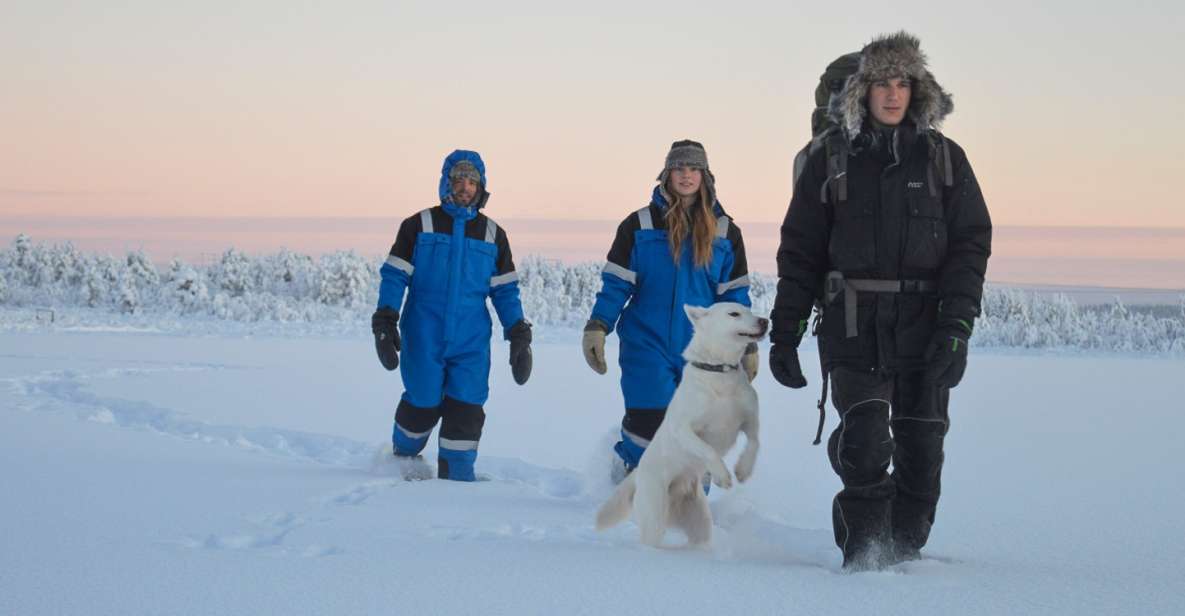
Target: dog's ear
x,y
694,313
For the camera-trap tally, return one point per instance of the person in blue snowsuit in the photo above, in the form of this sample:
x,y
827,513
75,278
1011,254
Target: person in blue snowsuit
x,y
448,259
680,249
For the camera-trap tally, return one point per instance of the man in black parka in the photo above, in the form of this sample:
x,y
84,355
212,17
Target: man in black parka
x,y
889,234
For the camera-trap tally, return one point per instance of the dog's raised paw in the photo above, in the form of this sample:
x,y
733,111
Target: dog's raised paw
x,y
723,480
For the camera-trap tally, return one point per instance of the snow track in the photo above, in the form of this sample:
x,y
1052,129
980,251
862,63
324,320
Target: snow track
x,y
66,391
148,473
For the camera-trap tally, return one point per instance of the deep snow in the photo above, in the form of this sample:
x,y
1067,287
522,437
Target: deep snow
x,y
165,474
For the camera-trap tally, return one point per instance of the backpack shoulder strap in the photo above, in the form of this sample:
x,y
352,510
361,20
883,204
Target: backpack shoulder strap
x,y
836,186
800,163
940,165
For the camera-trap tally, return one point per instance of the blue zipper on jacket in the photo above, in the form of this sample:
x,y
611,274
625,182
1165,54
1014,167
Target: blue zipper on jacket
x,y
456,259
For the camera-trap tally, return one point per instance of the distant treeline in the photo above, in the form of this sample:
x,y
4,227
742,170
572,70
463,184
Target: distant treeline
x,y
343,287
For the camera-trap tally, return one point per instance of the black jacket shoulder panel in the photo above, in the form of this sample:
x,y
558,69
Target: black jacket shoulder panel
x,y
405,239
505,260
623,242
740,262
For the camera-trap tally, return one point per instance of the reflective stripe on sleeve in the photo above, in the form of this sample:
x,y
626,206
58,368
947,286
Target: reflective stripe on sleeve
x,y
620,272
724,287
502,279
400,264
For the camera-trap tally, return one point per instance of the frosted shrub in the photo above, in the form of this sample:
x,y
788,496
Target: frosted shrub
x,y
762,290
347,280
93,285
141,270
129,298
341,288
187,288
22,248
288,274
233,273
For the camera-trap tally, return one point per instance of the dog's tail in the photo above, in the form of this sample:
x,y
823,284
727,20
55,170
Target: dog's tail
x,y
617,508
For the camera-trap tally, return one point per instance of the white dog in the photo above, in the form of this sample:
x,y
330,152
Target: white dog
x,y
713,403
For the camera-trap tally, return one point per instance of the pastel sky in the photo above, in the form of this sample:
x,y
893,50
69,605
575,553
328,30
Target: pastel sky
x,y
1069,111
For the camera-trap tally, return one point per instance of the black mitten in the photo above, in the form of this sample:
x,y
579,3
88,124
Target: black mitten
x,y
385,325
520,351
783,364
946,357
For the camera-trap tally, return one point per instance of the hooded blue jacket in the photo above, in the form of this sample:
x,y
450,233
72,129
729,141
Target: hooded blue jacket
x,y
643,292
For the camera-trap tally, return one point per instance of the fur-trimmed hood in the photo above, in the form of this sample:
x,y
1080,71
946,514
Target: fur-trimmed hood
x,y
887,57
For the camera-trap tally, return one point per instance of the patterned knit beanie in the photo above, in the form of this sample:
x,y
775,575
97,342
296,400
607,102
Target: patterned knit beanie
x,y
464,170
685,153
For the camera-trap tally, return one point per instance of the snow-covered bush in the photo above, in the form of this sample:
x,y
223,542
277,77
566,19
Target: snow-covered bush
x,y
141,270
129,298
342,288
288,274
234,273
186,288
21,259
347,280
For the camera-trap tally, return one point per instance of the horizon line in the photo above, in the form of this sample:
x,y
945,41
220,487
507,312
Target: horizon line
x,y
56,217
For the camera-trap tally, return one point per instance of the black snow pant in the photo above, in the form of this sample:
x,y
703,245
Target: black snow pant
x,y
461,424
900,419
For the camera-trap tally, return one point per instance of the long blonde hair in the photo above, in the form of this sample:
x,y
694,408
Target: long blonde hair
x,y
694,216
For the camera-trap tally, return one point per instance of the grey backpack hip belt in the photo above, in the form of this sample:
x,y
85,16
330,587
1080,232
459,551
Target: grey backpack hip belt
x,y
835,284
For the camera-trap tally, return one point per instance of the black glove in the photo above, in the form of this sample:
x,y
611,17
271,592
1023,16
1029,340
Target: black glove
x,y
385,325
946,357
783,364
520,351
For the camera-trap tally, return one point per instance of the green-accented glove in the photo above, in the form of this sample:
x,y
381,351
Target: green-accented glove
x,y
946,356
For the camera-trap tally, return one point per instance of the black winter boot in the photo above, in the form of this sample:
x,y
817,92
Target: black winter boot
x,y
860,517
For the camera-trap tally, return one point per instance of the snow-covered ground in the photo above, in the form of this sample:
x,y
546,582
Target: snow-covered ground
x,y
150,473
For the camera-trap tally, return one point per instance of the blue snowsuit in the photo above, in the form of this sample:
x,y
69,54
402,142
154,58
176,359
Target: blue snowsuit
x,y
448,259
653,328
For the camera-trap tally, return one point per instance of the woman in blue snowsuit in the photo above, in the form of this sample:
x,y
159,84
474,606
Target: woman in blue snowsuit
x,y
448,259
680,249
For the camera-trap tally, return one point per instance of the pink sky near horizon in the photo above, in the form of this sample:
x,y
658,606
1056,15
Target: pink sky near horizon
x,y
1079,256
280,109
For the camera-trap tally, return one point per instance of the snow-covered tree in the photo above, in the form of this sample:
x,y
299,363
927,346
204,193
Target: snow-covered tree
x,y
22,248
142,271
341,287
347,280
93,285
129,298
186,287
289,274
233,273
